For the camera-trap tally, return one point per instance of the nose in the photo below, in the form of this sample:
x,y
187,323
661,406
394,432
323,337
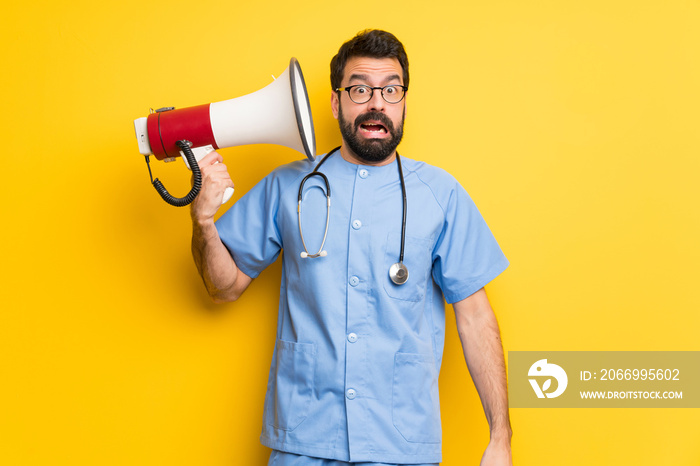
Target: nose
x,y
377,102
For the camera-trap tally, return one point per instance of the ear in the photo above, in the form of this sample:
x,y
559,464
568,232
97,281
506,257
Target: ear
x,y
335,104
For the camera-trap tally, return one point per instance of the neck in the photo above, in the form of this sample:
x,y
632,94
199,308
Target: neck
x,y
351,157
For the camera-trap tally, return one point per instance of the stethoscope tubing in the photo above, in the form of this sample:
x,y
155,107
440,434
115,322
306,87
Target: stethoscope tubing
x,y
403,218
320,252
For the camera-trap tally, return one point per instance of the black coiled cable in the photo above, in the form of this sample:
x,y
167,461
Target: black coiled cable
x,y
196,185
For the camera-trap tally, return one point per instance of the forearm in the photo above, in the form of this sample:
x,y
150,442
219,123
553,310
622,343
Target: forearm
x,y
483,352
222,278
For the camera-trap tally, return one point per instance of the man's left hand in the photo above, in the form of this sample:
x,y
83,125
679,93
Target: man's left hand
x,y
497,454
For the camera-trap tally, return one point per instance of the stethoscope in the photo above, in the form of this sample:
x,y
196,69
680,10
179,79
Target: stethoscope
x,y
398,272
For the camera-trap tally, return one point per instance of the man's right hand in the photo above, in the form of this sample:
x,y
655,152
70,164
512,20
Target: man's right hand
x,y
215,180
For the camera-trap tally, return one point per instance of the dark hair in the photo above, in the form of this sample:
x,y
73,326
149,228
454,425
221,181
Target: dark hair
x,y
372,43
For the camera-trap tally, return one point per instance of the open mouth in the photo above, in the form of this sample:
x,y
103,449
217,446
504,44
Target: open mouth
x,y
373,128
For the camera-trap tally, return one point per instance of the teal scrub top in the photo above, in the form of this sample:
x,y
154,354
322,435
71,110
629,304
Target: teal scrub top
x,y
354,373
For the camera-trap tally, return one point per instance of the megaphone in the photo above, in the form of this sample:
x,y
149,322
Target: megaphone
x,y
279,113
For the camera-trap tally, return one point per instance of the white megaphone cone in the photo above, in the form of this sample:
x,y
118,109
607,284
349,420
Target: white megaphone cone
x,y
279,113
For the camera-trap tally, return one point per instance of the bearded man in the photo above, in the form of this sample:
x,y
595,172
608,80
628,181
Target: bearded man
x,y
361,323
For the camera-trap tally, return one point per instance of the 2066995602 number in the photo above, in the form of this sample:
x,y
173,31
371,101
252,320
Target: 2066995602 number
x,y
640,374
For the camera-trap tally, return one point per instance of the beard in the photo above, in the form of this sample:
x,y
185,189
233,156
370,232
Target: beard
x,y
371,150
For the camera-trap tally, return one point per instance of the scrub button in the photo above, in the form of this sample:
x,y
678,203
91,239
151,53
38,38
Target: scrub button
x,y
363,173
352,338
351,394
356,224
354,281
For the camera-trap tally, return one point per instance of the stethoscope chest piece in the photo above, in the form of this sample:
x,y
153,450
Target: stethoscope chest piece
x,y
398,273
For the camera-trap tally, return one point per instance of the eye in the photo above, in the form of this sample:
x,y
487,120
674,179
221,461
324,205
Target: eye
x,y
360,90
390,90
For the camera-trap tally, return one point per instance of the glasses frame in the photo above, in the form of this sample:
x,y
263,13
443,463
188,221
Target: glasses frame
x,y
371,92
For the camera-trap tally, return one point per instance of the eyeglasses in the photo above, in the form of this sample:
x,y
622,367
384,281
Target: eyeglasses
x,y
361,94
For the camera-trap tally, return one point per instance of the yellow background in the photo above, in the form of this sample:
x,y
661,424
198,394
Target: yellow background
x,y
573,125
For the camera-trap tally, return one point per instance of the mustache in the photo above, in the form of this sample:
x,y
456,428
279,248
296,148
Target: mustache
x,y
376,116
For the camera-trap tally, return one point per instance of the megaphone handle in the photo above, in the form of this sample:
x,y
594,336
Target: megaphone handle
x,y
199,154
196,185
228,192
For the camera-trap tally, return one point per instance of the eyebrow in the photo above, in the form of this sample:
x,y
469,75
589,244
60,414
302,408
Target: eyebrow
x,y
364,77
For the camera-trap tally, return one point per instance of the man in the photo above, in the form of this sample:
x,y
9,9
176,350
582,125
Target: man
x,y
355,367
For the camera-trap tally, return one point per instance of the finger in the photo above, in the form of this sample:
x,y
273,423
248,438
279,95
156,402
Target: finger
x,y
215,172
216,167
211,158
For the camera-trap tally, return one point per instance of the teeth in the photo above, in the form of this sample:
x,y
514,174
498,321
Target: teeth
x,y
379,130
